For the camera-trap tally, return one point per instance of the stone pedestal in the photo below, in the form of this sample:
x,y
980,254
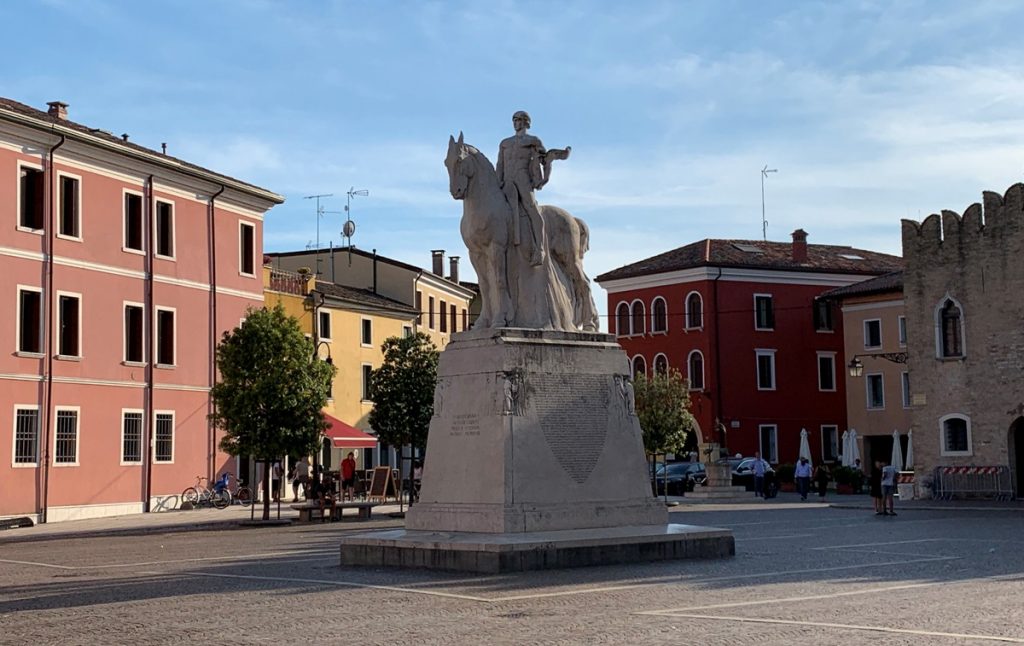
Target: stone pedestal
x,y
719,486
534,439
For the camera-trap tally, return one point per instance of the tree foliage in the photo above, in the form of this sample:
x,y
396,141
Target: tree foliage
x,y
402,390
663,409
270,394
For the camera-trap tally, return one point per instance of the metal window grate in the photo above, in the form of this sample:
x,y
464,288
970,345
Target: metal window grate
x,y
131,444
26,436
164,438
66,450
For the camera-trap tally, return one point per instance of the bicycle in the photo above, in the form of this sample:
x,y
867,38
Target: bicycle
x,y
242,493
202,494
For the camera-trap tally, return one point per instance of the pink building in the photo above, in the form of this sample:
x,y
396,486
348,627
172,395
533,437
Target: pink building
x,y
122,267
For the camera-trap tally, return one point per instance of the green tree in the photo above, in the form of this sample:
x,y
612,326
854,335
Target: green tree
x,y
663,409
402,390
269,398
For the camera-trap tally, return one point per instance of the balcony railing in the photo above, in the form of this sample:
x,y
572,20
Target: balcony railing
x,y
289,282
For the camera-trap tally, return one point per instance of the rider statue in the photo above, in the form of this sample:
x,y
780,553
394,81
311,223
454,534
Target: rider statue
x,y
520,168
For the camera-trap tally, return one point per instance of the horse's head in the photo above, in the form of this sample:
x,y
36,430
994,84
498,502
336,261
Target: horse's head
x,y
460,167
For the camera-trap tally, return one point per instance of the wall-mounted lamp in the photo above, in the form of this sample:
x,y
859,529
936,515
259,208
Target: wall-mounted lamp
x,y
856,366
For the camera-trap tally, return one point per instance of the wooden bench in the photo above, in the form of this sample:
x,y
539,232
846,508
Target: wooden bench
x,y
311,509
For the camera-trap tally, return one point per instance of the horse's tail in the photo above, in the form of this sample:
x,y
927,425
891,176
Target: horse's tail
x,y
584,237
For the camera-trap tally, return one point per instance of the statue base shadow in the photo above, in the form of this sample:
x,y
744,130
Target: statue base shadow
x,y
534,460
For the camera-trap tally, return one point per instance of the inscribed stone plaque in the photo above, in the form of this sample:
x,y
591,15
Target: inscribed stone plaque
x,y
573,415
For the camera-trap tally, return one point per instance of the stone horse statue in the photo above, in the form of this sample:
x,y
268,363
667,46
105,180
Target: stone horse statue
x,y
553,296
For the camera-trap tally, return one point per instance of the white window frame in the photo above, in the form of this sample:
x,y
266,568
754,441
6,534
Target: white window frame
x,y
689,371
653,310
632,364
832,357
320,327
174,336
901,330
56,323
125,192
632,317
867,339
241,225
156,229
17,220
156,414
937,317
942,436
14,437
686,308
406,331
867,390
42,318
78,207
905,386
835,434
431,315
78,435
142,435
362,323
771,299
364,386
124,333
771,456
629,320
654,364
764,352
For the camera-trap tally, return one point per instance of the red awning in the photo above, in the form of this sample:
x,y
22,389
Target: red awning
x,y
344,436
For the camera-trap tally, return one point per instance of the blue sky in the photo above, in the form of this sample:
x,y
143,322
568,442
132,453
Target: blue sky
x,y
870,111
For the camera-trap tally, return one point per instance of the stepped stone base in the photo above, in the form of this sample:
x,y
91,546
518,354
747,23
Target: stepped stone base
x,y
712,493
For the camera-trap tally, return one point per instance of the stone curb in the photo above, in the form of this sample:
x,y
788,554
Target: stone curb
x,y
902,508
13,537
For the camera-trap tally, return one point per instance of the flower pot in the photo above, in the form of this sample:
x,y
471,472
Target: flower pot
x,y
787,486
844,489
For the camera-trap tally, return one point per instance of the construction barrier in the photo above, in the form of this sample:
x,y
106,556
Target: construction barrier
x,y
972,482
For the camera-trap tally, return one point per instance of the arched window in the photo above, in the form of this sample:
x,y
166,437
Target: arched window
x,y
695,365
659,315
955,434
660,364
950,329
639,365
694,311
637,315
622,320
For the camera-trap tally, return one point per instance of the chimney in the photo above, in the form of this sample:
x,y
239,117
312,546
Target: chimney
x,y
438,255
800,246
163,147
58,109
125,137
453,269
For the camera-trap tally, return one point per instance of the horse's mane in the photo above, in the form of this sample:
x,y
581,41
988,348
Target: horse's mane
x,y
481,158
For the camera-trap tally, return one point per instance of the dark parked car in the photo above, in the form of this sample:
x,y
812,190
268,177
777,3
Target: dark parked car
x,y
677,478
743,475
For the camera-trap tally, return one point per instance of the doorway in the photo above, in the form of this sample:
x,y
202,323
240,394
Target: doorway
x,y
1016,446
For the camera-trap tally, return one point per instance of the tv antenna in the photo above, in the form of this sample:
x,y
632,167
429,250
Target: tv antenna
x,y
319,214
349,228
764,222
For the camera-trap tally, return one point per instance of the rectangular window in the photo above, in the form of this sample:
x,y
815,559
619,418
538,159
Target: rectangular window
x,y
68,210
829,442
465,319
30,320
406,331
367,378
163,438
367,332
872,334
452,315
823,316
65,449
30,209
444,316
419,307
902,326
26,435
430,312
133,221
875,391
905,381
826,371
68,308
765,369
133,334
764,312
769,442
325,326
165,337
131,437
247,249
165,229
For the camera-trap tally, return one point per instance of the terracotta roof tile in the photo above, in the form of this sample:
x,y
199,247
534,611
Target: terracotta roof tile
x,y
891,282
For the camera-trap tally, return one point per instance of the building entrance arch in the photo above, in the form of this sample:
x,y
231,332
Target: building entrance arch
x,y
1016,451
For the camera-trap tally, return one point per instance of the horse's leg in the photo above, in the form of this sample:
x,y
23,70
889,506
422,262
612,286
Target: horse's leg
x,y
479,261
497,286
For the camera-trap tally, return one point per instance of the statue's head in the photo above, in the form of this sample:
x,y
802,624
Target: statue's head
x,y
524,116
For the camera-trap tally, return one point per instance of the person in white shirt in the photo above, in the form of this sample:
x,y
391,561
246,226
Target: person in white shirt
x,y
759,467
802,473
889,477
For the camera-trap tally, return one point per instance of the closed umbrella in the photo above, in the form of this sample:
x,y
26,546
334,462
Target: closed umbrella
x,y
846,449
854,447
910,450
805,447
897,451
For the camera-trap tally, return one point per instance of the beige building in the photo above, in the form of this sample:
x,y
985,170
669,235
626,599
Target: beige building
x,y
877,378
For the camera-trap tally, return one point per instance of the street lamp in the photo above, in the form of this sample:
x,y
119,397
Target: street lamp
x,y
856,366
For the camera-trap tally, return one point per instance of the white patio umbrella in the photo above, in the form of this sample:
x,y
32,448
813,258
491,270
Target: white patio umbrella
x,y
846,449
805,447
854,448
897,450
910,450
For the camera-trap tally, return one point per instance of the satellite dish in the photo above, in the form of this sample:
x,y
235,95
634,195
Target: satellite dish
x,y
349,229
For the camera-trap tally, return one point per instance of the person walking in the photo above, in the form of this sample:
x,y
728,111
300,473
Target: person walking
x,y
301,478
348,477
822,476
802,473
759,469
888,481
275,482
875,487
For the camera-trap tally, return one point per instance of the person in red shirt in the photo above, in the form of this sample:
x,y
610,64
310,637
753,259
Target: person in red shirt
x,y
348,477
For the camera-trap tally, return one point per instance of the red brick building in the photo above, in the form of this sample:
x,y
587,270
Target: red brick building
x,y
741,321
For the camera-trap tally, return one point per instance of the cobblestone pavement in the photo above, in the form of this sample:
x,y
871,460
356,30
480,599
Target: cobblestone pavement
x,y
810,575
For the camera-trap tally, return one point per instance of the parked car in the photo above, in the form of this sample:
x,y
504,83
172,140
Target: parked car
x,y
743,475
677,478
